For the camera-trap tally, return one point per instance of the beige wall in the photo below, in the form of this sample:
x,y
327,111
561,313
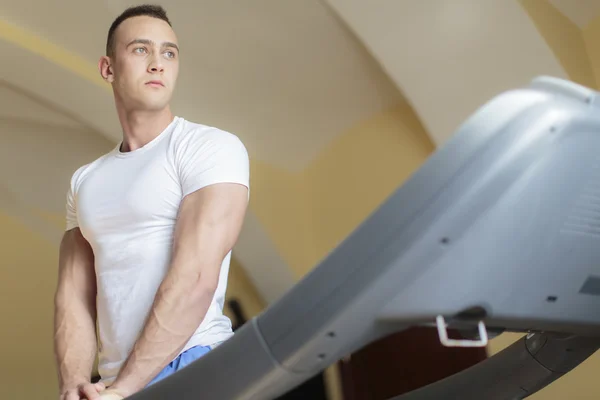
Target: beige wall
x,y
357,172
241,288
308,213
27,287
591,37
564,38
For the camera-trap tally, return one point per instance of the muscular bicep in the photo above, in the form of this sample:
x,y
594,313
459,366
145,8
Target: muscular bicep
x,y
76,273
207,228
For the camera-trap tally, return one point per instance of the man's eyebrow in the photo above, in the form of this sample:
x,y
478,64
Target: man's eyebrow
x,y
171,44
151,43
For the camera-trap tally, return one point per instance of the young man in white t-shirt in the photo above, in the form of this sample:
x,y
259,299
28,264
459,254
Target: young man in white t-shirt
x,y
150,228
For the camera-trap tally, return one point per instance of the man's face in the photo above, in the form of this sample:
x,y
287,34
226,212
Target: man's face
x,y
145,64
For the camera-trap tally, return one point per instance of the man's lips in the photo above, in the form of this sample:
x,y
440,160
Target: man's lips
x,y
155,83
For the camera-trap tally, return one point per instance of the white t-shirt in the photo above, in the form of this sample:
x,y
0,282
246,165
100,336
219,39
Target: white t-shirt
x,y
126,206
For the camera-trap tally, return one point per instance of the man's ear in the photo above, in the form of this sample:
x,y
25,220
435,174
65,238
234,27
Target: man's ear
x,y
106,69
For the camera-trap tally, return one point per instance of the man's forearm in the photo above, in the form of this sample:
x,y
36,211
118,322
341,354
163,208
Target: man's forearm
x,y
208,225
179,307
75,342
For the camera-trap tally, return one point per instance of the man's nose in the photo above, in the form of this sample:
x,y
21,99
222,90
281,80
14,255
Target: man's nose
x,y
156,65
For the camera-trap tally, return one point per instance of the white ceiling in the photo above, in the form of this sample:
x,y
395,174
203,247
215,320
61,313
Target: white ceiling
x,y
449,58
17,105
581,12
37,152
287,77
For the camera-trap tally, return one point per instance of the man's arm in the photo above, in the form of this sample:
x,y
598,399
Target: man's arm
x,y
207,228
75,342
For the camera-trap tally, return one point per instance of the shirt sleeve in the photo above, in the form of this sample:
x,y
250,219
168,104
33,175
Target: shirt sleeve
x,y
72,220
207,159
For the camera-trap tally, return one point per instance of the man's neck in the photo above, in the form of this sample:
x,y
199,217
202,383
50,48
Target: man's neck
x,y
141,127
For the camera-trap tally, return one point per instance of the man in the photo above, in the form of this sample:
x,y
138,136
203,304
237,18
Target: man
x,y
150,228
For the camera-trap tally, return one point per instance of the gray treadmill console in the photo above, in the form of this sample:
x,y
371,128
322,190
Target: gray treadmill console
x,y
499,229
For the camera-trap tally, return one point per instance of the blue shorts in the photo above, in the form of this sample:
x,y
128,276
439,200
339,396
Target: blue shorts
x,y
184,359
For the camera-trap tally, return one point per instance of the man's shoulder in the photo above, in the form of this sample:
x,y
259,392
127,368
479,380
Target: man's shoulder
x,y
82,171
200,134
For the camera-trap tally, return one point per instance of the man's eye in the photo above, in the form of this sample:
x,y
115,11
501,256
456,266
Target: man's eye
x,y
170,54
140,50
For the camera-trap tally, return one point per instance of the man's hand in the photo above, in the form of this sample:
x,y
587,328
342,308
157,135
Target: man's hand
x,y
111,395
85,390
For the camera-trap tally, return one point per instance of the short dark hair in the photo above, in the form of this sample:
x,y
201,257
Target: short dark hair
x,y
147,10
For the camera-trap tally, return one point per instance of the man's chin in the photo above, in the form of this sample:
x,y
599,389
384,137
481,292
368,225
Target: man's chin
x,y
154,105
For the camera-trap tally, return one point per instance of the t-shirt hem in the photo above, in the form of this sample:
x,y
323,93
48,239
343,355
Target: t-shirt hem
x,y
211,341
205,183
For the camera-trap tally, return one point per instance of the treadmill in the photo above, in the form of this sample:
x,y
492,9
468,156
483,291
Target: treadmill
x,y
499,230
